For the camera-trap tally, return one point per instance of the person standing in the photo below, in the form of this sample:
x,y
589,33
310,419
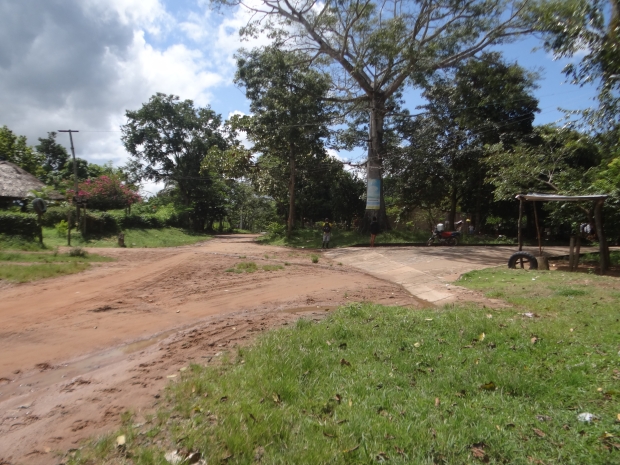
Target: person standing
x,y
327,232
374,230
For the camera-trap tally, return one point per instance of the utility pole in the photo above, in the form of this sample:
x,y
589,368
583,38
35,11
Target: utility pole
x,y
75,176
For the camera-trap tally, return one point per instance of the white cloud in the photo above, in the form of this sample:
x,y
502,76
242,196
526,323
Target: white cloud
x,y
80,65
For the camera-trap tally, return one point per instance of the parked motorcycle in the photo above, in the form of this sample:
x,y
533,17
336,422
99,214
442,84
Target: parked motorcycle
x,y
442,237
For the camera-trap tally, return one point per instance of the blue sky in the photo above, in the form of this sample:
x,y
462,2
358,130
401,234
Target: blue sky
x,y
80,64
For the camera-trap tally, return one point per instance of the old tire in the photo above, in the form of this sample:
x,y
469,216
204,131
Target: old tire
x,y
516,258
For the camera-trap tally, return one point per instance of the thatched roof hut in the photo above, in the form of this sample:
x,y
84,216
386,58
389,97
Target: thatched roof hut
x,y
16,183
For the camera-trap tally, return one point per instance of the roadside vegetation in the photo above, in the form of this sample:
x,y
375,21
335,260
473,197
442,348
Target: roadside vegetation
x,y
160,237
28,266
51,257
148,237
463,384
251,267
36,271
313,238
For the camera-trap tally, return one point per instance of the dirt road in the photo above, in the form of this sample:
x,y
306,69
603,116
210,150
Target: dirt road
x,y
77,351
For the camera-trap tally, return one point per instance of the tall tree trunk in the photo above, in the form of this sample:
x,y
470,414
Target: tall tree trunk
x,y
375,203
452,212
291,193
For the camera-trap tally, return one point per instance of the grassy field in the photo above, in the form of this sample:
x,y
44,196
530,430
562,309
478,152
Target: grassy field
x,y
50,257
165,237
22,274
29,266
370,384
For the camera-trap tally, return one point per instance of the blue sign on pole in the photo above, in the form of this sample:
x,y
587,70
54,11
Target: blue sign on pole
x,y
373,195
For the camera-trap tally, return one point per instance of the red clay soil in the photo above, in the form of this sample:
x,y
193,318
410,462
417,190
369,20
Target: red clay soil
x,y
79,350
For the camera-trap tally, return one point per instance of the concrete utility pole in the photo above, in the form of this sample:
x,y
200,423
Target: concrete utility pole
x,y
75,176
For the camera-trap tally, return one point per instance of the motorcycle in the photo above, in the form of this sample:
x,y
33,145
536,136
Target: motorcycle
x,y
444,237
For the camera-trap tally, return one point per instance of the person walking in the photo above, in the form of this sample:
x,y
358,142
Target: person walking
x,y
327,232
374,230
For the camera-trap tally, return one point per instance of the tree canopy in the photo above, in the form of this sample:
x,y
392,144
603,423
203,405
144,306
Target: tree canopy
x,y
372,50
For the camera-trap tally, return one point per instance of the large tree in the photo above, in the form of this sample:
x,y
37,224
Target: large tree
x,y
590,31
372,50
56,155
169,140
485,101
289,116
15,149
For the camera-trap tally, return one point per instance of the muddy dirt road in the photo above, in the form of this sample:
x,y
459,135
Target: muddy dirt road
x,y
77,351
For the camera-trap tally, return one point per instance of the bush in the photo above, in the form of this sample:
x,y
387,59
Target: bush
x,y
101,223
276,229
61,228
19,224
55,215
78,252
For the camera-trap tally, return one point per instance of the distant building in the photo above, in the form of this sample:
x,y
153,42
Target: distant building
x,y
16,184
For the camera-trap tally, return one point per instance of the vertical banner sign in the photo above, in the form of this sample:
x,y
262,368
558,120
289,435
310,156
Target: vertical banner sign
x,y
373,195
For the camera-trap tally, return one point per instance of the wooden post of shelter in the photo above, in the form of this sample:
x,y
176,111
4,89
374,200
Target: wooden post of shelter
x,y
577,252
537,229
69,228
602,242
520,225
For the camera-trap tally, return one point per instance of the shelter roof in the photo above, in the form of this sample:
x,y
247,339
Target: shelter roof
x,y
16,183
559,198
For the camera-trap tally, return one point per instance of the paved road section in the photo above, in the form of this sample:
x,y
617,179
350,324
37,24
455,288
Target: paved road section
x,y
427,272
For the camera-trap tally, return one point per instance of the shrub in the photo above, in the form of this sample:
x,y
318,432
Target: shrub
x,y
19,224
78,252
55,215
276,229
61,228
101,223
314,258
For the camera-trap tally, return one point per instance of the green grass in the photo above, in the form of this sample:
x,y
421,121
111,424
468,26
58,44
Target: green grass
x,y
49,257
314,258
614,257
165,237
25,273
373,383
243,267
272,267
251,267
310,238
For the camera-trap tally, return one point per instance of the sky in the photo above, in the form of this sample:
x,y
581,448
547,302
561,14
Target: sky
x,y
80,64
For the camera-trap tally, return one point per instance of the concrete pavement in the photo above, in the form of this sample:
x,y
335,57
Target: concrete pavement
x,y
427,272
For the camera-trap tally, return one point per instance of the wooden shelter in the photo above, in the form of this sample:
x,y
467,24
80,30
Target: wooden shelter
x,y
597,200
16,183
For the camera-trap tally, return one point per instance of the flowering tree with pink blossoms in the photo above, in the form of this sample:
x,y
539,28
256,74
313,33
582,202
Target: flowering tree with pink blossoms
x,y
105,193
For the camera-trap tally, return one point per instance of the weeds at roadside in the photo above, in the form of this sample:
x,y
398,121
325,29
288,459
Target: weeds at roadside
x,y
243,267
46,257
314,258
78,252
25,273
272,267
